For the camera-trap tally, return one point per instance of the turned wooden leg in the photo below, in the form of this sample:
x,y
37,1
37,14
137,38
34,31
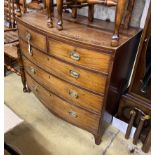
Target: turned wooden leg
x,y
18,11
129,13
59,9
97,139
90,13
74,12
139,128
49,12
118,19
44,2
20,62
132,118
24,6
147,143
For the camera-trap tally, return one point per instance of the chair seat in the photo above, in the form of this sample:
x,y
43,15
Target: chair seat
x,y
11,50
10,37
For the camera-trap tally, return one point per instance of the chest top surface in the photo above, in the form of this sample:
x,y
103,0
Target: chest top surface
x,y
97,34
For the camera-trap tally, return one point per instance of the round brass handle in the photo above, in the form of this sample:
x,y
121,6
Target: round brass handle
x,y
75,55
73,94
73,114
74,74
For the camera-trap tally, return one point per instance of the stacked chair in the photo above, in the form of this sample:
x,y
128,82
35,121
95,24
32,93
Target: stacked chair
x,y
11,42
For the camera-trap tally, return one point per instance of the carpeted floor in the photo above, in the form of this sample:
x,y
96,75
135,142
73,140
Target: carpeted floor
x,y
42,133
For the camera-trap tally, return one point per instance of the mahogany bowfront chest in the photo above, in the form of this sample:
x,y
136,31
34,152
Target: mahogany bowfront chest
x,y
73,71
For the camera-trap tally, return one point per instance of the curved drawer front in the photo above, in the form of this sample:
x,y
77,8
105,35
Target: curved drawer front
x,y
32,37
70,113
89,80
65,90
86,58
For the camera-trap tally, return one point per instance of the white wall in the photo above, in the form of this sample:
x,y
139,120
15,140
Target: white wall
x,y
102,12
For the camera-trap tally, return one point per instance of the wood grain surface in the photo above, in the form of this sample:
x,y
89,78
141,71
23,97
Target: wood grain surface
x,y
88,58
64,110
96,82
84,99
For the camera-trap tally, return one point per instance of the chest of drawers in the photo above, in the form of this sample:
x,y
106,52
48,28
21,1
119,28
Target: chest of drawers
x,y
71,71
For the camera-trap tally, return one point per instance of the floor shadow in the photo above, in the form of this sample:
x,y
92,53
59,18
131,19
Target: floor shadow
x,y
26,141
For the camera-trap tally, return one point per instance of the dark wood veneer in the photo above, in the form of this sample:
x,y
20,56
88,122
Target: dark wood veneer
x,y
137,99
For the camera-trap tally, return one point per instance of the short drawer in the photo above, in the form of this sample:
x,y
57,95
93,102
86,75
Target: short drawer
x,y
68,112
88,80
99,61
34,38
73,94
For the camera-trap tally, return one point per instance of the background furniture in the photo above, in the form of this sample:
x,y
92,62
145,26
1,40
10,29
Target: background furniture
x,y
9,16
120,12
71,71
12,8
138,96
10,36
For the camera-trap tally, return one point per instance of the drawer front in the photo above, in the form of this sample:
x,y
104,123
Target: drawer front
x,y
63,109
34,38
89,80
86,58
65,90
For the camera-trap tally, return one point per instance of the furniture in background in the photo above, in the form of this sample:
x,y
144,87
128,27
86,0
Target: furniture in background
x,y
120,12
12,8
20,7
135,104
10,35
71,71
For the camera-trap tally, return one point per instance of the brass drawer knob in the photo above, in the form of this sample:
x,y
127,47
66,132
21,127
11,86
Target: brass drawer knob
x,y
73,114
74,74
73,94
29,37
32,70
74,55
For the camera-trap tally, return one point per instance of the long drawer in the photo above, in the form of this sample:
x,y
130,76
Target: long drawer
x,y
99,61
68,112
36,39
63,89
92,81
